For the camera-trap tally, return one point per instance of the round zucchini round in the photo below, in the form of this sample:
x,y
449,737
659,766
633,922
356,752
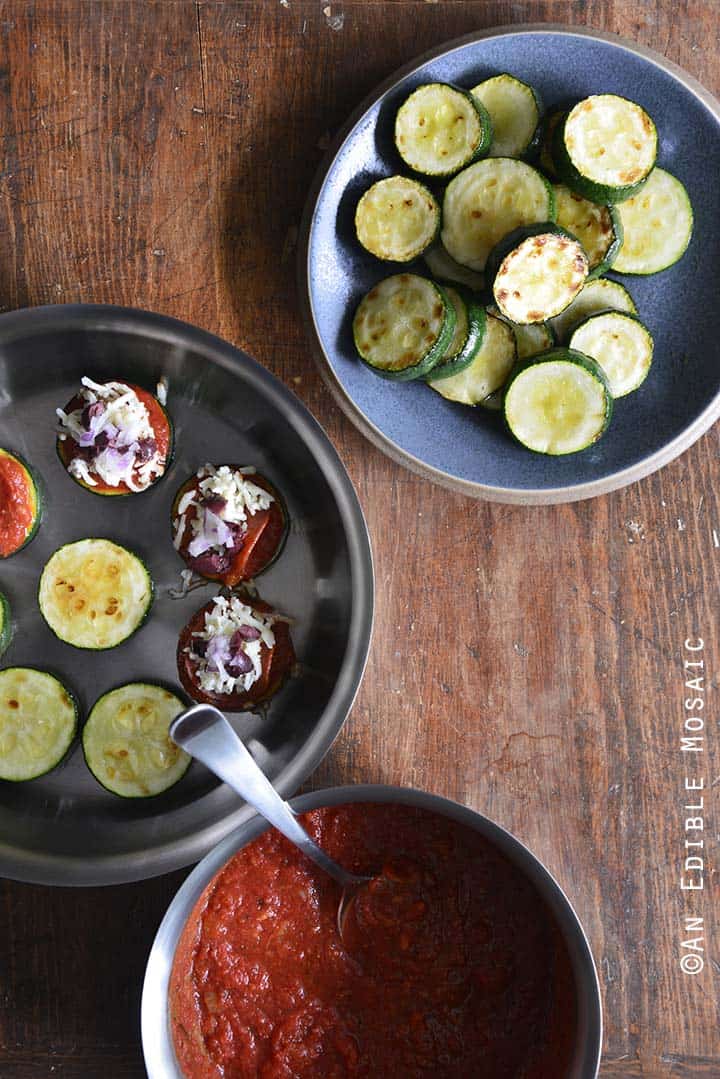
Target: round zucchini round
x,y
20,503
403,327
598,228
600,294
397,219
515,110
488,370
605,148
468,337
38,721
94,593
658,225
126,742
621,344
536,272
558,402
440,129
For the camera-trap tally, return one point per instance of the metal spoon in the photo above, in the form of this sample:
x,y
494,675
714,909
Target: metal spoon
x,y
204,733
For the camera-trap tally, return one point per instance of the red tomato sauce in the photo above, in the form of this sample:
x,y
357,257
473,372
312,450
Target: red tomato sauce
x,y
18,505
466,978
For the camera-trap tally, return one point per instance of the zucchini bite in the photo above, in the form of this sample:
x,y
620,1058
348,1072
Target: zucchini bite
x,y
403,327
536,272
229,523
558,402
515,110
658,224
397,219
606,148
598,228
440,129
38,721
488,370
486,201
600,294
235,653
20,504
126,742
620,344
5,623
94,593
114,438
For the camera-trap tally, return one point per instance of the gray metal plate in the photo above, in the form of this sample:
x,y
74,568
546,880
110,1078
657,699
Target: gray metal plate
x,y
64,828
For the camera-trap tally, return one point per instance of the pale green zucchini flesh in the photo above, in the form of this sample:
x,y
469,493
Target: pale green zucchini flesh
x,y
94,593
600,294
598,228
487,201
444,268
620,344
440,129
606,148
488,370
658,224
558,402
38,720
515,110
126,742
536,273
403,326
397,219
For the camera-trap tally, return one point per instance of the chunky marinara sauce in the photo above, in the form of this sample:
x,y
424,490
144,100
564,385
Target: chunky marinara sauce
x,y
453,967
17,505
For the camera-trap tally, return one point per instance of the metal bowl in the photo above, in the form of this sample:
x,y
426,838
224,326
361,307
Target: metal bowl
x,y
64,828
156,1033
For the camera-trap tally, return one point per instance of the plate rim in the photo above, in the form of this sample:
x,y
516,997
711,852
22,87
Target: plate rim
x,y
510,495
43,867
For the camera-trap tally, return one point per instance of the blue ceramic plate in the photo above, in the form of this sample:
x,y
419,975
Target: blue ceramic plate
x,y
466,448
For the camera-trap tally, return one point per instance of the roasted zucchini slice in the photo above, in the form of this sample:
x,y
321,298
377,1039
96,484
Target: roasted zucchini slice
x,y
558,402
440,129
620,344
397,219
550,121
530,339
20,503
600,294
38,720
126,742
658,224
487,201
515,111
606,148
536,272
444,268
598,228
467,338
94,593
488,370
403,326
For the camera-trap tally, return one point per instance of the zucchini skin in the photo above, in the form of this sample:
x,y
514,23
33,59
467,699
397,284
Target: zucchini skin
x,y
62,445
72,697
38,495
549,122
426,193
477,322
138,626
431,357
614,249
191,481
564,355
589,189
6,628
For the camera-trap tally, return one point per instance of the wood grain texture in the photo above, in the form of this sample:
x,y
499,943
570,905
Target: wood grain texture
x,y
527,662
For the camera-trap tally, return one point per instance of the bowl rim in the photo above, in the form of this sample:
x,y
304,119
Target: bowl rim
x,y
513,495
44,867
160,1061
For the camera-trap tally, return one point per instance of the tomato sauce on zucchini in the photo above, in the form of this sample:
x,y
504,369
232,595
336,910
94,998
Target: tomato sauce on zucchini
x,y
246,542
19,504
201,662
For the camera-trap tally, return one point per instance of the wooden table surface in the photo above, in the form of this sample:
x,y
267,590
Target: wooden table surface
x,y
528,662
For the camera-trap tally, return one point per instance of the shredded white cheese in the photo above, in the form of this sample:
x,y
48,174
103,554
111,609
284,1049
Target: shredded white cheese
x,y
243,498
221,622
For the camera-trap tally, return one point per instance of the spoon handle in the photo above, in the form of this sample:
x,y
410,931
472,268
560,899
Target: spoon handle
x,y
204,733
